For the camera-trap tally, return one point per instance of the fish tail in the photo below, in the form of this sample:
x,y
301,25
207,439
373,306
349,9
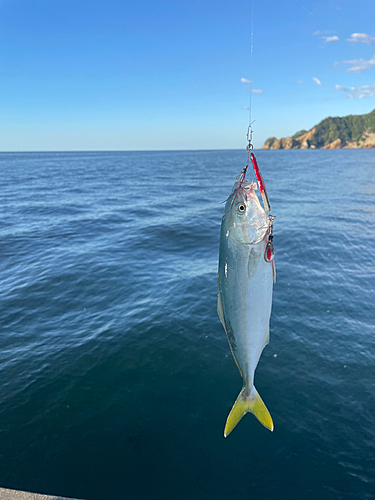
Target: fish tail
x,y
248,401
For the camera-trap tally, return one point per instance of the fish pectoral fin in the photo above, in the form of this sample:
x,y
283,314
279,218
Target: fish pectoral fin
x,y
273,271
248,403
253,263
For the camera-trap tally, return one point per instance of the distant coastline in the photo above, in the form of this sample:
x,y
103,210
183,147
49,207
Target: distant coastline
x,y
349,132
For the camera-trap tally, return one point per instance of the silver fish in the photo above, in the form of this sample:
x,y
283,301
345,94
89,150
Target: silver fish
x,y
245,284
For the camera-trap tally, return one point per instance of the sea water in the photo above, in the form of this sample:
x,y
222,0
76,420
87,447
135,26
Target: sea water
x,y
116,377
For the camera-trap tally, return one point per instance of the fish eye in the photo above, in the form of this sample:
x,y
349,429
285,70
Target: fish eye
x,y
241,208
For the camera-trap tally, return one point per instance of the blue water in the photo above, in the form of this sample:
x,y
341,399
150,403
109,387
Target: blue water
x,y
115,373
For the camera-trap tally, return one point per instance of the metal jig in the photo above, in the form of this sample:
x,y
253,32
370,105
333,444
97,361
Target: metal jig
x,y
269,251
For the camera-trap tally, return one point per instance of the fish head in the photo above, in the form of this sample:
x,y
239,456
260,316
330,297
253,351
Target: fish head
x,y
244,218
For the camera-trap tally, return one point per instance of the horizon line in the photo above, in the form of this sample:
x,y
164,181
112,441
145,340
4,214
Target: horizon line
x,y
120,150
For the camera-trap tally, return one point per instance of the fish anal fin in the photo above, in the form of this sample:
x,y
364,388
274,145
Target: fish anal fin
x,y
267,338
220,311
248,403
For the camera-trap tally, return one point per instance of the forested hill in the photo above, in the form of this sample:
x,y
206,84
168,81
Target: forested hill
x,y
353,131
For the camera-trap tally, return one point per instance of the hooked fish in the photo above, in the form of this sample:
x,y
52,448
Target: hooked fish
x,y
245,284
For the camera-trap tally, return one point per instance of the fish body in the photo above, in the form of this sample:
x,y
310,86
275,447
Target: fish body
x,y
245,284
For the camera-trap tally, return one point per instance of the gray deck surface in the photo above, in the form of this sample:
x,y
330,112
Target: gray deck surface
x,y
6,494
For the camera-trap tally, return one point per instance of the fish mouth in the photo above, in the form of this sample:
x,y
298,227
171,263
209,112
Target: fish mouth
x,y
241,191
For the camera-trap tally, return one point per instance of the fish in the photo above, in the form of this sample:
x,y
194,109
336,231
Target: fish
x,y
245,285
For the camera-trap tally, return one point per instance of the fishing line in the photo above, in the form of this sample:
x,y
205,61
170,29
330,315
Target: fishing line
x,y
249,135
251,57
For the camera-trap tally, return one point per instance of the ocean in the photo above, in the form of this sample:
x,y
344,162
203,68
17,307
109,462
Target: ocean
x,y
116,377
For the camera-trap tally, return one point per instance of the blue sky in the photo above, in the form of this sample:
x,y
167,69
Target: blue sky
x,y
166,74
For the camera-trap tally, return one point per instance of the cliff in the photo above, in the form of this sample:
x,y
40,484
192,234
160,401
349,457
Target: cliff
x,y
353,131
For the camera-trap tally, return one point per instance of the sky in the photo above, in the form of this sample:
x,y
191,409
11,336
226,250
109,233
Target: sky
x,y
173,74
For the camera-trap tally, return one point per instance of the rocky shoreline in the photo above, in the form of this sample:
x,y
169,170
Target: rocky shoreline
x,y
350,132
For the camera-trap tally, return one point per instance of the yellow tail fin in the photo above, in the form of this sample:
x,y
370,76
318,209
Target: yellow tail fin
x,y
245,403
